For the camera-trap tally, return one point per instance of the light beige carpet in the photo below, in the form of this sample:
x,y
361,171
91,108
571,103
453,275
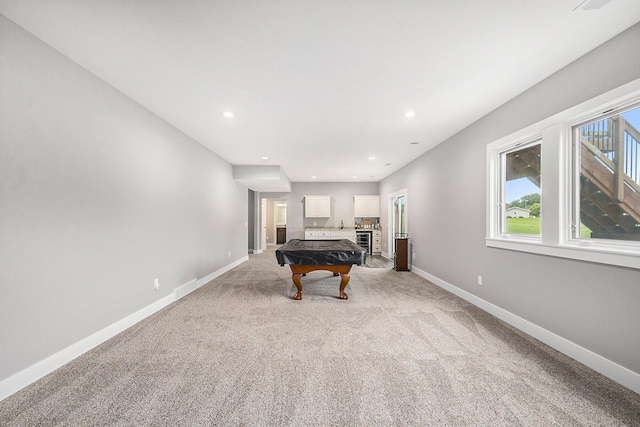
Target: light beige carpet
x,y
399,352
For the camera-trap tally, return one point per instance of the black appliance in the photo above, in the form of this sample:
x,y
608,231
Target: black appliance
x,y
363,239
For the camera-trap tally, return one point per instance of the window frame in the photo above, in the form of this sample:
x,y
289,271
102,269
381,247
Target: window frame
x,y
502,217
558,186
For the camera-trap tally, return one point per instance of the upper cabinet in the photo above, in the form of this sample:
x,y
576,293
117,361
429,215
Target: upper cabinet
x,y
317,206
367,206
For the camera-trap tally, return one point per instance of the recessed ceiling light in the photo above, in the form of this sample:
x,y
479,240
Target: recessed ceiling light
x,y
372,157
228,114
265,158
410,114
313,177
354,177
387,164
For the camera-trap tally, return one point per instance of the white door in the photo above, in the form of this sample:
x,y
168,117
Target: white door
x,y
263,225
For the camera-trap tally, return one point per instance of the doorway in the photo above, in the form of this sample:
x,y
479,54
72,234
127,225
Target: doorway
x,y
398,215
274,221
281,222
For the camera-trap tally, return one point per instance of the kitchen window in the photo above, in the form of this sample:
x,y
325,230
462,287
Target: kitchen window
x,y
586,159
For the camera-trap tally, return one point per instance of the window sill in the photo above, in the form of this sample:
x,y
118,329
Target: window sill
x,y
580,251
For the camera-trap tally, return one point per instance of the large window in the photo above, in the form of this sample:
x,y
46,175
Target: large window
x,y
569,186
608,188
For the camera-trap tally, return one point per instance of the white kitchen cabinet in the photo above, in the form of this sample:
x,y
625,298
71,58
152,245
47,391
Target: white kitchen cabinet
x,y
376,244
329,234
317,206
343,234
317,234
367,206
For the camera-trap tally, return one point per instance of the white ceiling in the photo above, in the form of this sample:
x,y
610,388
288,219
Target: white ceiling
x,y
320,86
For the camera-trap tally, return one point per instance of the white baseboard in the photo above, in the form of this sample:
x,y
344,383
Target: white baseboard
x,y
206,279
606,367
38,370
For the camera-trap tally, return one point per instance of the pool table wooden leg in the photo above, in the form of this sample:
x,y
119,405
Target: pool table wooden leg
x,y
296,281
300,270
344,281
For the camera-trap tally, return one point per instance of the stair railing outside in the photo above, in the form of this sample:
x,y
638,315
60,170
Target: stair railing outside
x,y
619,142
631,138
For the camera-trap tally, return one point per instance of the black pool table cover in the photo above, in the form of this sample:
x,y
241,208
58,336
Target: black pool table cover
x,y
320,252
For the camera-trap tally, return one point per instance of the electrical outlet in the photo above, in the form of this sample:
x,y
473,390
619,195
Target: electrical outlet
x,y
156,284
229,253
480,280
414,255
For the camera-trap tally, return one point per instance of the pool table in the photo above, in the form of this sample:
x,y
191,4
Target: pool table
x,y
336,256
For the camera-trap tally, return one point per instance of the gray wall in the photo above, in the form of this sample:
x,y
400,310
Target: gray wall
x,y
594,306
342,205
98,197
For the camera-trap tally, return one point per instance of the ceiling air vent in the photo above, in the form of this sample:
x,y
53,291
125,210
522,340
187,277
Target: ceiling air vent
x,y
592,4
